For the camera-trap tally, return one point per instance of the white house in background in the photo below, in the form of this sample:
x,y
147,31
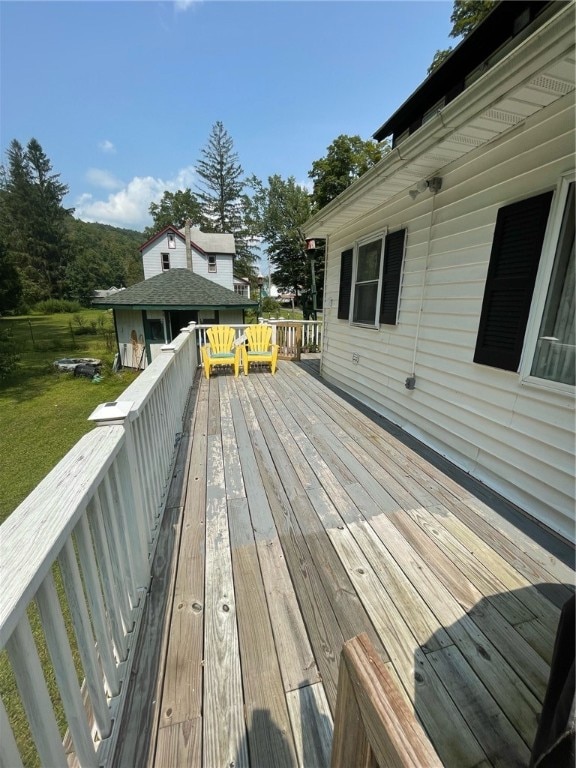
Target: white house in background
x,y
187,278
449,283
211,254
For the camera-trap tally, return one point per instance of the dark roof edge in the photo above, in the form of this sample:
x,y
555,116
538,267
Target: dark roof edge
x,y
169,307
170,228
449,77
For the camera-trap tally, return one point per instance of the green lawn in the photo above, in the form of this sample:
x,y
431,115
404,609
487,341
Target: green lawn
x,y
42,414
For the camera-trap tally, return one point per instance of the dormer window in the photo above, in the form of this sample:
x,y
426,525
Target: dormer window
x,y
211,263
165,261
171,241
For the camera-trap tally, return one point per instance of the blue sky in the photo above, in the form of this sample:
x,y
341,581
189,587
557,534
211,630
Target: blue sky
x,y
122,95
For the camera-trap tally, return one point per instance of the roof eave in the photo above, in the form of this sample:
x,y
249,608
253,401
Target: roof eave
x,y
546,45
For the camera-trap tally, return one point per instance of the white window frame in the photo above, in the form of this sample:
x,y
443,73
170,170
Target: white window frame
x,y
357,245
541,289
171,240
212,266
164,256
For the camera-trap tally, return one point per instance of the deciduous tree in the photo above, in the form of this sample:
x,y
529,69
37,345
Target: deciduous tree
x,y
347,158
466,15
276,212
174,208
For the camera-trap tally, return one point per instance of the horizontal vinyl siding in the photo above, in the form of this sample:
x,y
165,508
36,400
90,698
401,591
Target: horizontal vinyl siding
x,y
517,438
152,258
224,269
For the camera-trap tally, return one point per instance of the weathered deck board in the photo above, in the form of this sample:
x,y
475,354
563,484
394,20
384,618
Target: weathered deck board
x,y
311,523
224,725
267,720
182,690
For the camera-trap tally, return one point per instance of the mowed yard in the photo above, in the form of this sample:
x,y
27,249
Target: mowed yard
x,y
44,412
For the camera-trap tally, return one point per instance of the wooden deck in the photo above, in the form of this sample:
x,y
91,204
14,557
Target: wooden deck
x,y
297,521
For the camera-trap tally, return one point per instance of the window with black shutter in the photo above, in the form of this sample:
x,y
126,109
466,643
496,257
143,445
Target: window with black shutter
x,y
514,259
345,284
393,256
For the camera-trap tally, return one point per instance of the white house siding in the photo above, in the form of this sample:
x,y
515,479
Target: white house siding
x,y
518,438
152,256
152,262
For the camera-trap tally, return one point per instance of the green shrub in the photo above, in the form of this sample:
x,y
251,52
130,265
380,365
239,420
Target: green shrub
x,y
56,307
270,305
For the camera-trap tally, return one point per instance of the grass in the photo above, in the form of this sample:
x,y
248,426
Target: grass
x,y
43,413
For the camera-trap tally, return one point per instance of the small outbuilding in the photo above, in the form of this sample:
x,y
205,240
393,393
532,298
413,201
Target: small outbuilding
x,y
151,313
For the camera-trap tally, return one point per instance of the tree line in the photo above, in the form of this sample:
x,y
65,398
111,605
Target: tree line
x,y
45,253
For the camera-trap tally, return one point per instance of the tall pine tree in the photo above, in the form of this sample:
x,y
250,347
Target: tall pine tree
x,y
220,193
34,221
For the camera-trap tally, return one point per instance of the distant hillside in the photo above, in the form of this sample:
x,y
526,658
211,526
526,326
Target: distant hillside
x,y
101,257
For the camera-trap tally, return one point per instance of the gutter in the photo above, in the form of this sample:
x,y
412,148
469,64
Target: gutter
x,y
549,42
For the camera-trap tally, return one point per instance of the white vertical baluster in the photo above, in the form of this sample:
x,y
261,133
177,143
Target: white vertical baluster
x,y
81,619
28,672
9,755
125,514
128,472
141,456
96,601
111,591
117,549
61,655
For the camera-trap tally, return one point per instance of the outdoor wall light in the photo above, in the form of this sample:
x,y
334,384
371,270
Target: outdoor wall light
x,y
434,184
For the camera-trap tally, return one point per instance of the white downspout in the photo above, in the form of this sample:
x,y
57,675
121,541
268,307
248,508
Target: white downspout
x,y
411,381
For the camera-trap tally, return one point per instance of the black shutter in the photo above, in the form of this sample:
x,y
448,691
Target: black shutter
x,y
514,259
393,255
345,285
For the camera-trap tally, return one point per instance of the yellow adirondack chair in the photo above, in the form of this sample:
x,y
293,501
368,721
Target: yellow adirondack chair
x,y
220,349
259,348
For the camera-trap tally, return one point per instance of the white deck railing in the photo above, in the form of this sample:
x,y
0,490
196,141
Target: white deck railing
x,y
96,515
80,546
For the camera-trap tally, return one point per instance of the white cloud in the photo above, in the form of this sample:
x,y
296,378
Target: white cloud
x,y
107,147
128,206
100,178
183,5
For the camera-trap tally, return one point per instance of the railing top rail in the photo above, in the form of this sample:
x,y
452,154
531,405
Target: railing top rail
x,y
32,537
140,390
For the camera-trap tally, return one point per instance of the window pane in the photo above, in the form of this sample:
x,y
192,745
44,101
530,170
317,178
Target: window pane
x,y
554,358
365,303
369,261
